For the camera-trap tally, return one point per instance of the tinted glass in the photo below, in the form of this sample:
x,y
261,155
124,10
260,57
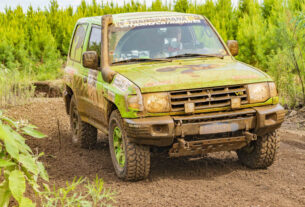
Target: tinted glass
x,y
164,41
95,40
77,43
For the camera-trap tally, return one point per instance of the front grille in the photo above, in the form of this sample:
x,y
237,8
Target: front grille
x,y
207,97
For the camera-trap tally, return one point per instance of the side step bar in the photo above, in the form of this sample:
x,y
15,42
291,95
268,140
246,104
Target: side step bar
x,y
201,147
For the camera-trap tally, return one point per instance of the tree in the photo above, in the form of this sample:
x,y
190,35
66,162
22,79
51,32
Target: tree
x,y
181,6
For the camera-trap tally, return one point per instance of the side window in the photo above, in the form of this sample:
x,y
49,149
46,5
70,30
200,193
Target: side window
x,y
95,40
77,42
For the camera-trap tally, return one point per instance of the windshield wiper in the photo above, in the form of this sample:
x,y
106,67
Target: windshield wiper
x,y
141,60
196,55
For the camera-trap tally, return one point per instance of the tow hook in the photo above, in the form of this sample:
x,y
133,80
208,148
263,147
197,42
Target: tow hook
x,y
250,137
183,144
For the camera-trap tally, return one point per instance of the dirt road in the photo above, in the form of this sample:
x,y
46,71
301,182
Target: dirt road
x,y
216,180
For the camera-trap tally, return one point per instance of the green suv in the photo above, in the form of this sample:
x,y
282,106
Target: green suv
x,y
167,80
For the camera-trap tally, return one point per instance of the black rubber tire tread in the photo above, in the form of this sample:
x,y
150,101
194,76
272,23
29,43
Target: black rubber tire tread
x,y
263,154
137,163
138,160
87,134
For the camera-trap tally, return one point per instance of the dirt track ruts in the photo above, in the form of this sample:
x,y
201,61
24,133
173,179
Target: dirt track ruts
x,y
216,180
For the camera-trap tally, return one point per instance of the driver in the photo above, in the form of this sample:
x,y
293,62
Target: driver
x,y
159,48
175,44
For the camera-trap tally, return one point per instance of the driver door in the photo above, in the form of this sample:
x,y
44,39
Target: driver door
x,y
97,104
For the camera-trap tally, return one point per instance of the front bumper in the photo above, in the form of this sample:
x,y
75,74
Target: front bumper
x,y
161,131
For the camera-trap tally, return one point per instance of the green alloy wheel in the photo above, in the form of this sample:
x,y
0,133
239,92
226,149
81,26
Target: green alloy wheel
x,y
118,146
131,161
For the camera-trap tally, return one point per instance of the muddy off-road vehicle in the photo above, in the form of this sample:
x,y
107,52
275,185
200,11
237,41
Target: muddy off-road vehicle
x,y
165,80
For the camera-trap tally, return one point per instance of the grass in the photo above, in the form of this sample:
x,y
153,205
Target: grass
x,y
15,88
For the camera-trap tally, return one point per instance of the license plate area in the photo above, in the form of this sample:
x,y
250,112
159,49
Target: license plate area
x,y
219,127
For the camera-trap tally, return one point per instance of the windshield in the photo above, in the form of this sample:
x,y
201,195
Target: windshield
x,y
163,41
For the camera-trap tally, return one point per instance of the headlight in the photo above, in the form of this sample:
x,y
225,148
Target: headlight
x,y
272,88
156,102
261,92
258,92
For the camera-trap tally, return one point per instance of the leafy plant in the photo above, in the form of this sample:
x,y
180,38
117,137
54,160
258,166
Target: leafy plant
x,y
73,194
19,166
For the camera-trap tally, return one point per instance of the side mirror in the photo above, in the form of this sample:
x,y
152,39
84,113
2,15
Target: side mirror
x,y
90,60
233,47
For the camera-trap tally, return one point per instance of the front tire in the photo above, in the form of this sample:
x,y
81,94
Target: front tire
x,y
83,134
131,161
261,153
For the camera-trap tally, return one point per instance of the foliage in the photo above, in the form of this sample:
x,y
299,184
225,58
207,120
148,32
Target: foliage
x,y
27,43
19,166
270,35
181,6
93,195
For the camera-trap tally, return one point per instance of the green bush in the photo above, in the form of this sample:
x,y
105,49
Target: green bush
x,y
38,41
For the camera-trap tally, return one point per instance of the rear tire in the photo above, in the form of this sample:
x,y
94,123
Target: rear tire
x,y
260,153
83,134
131,161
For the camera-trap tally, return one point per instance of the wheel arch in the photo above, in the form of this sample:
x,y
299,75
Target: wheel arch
x,y
110,108
67,98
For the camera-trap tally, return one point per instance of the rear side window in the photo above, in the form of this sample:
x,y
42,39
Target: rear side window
x,y
77,42
95,40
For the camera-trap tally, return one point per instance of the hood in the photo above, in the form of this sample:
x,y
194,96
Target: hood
x,y
189,73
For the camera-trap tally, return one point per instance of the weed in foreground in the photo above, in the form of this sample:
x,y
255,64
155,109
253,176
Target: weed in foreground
x,y
81,193
20,168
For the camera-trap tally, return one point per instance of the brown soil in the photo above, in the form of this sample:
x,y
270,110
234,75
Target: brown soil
x,y
216,180
49,89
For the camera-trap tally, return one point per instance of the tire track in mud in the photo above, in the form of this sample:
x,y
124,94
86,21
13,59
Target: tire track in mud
x,y
215,180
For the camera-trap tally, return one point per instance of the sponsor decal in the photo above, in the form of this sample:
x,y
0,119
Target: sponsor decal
x,y
158,21
92,78
152,84
189,68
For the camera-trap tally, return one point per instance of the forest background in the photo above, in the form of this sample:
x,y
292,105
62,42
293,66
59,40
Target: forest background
x,y
34,43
